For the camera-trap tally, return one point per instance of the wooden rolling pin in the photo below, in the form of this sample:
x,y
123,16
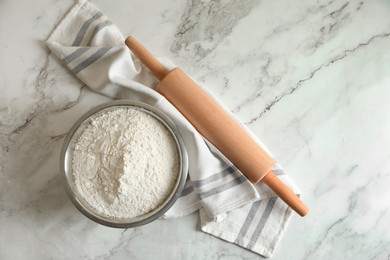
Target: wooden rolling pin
x,y
216,125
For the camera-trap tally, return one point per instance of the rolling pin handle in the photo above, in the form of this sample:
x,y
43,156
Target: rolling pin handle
x,y
285,193
146,58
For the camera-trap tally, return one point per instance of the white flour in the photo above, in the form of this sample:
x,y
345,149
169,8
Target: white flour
x,y
125,163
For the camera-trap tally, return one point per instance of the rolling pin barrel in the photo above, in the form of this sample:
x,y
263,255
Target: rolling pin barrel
x,y
216,125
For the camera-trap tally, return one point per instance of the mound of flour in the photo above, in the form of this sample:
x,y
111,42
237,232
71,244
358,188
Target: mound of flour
x,y
125,163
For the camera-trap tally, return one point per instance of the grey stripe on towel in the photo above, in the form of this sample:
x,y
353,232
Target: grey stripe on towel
x,y
84,28
187,191
247,222
97,29
94,57
74,55
214,177
223,187
263,221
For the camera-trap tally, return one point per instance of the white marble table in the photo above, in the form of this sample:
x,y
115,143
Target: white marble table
x,y
311,79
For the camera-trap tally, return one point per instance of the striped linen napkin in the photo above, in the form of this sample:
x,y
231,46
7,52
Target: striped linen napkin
x,y
230,207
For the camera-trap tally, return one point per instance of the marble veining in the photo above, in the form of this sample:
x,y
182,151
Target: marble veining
x,y
310,78
205,24
301,81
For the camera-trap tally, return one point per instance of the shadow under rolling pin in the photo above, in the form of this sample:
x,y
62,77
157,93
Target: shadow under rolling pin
x,y
216,125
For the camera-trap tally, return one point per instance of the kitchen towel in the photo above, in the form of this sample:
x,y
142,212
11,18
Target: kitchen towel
x,y
230,206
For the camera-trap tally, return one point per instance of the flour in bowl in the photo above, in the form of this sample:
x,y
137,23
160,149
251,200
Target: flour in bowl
x,y
125,162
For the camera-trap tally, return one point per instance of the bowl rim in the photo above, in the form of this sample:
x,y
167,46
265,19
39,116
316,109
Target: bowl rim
x,y
166,205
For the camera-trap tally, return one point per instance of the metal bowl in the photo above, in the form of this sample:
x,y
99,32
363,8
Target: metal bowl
x,y
67,156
